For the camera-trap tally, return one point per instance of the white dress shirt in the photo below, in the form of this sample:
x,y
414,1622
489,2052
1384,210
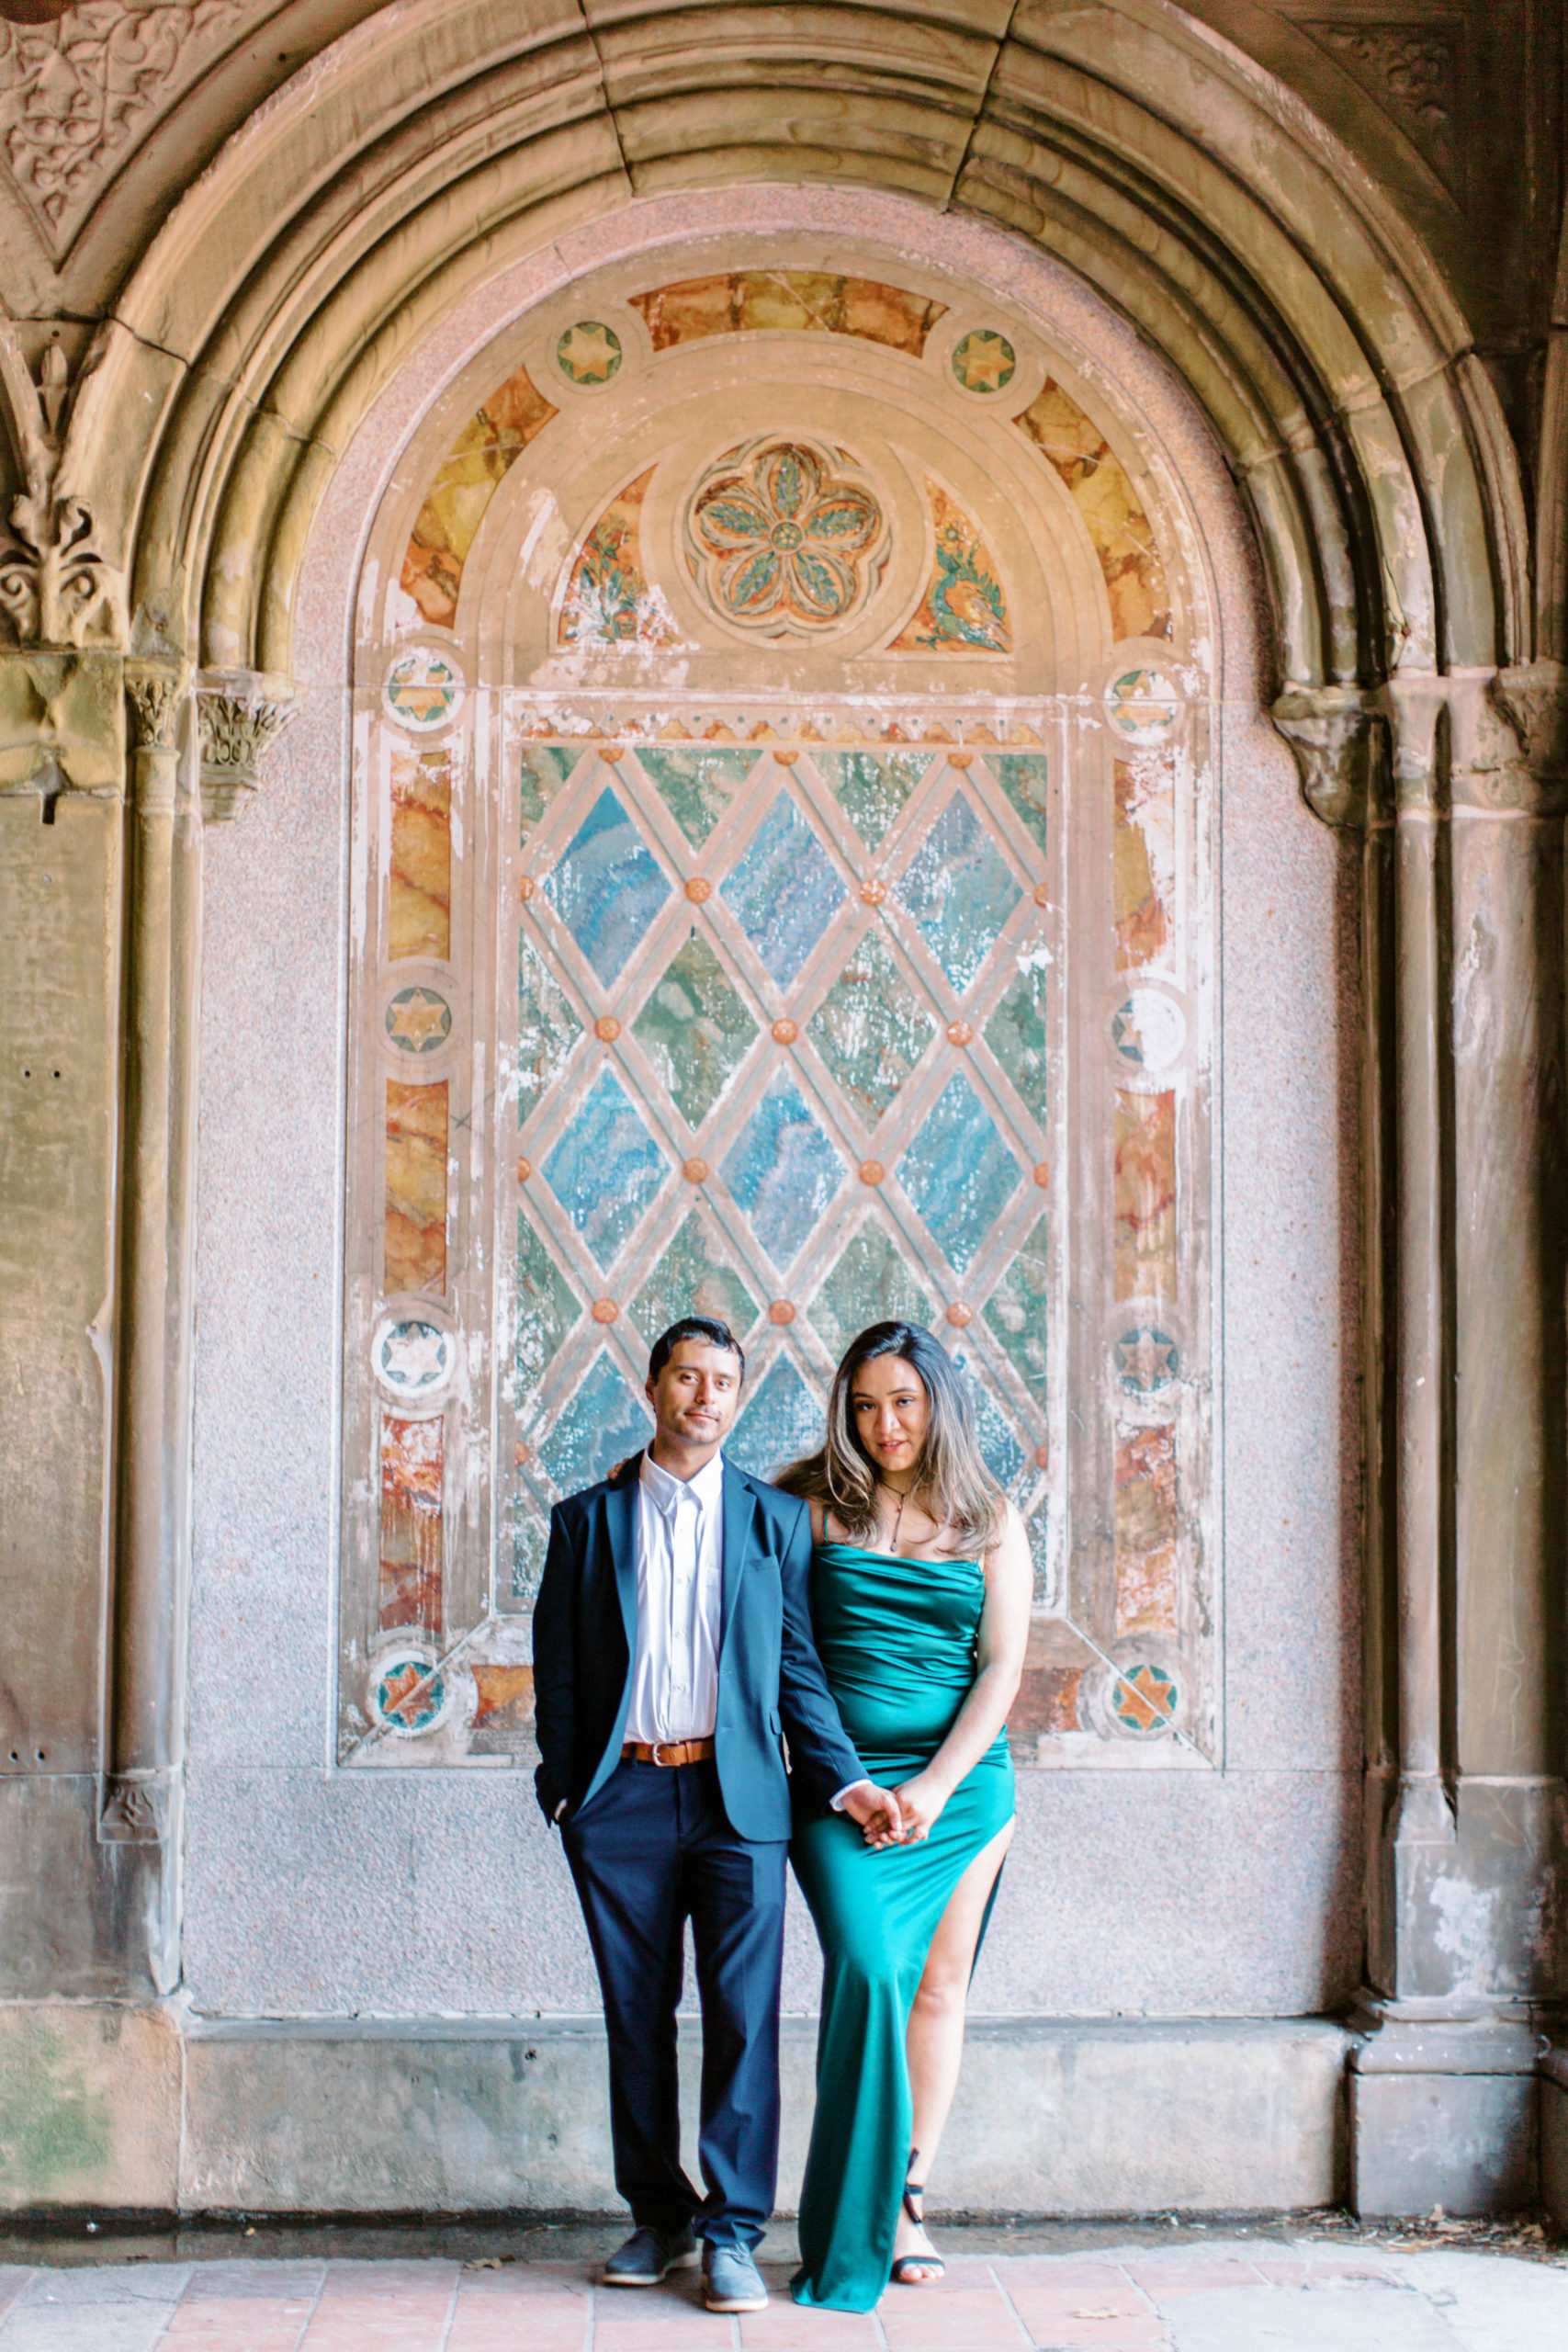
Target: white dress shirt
x,y
680,1583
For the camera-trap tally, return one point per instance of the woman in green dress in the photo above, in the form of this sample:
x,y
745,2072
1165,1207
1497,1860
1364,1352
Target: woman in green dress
x,y
921,1584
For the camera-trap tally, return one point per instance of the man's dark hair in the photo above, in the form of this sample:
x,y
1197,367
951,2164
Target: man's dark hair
x,y
693,1327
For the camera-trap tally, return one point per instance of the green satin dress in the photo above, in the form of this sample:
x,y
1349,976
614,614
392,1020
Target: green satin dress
x,y
897,1640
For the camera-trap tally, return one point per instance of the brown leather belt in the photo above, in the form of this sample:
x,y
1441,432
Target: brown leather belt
x,y
666,1751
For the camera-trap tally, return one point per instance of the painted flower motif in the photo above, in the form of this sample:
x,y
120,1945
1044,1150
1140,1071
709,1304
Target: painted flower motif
x,y
782,542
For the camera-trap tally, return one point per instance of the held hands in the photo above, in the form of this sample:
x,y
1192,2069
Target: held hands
x,y
876,1811
920,1804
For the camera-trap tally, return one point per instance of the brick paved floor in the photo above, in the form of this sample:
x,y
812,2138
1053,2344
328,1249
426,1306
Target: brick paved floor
x,y
1223,2296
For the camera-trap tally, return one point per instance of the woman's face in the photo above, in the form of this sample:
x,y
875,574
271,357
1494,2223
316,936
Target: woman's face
x,y
890,1412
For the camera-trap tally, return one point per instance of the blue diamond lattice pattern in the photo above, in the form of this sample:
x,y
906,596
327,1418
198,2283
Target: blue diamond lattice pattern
x,y
607,886
605,1169
784,892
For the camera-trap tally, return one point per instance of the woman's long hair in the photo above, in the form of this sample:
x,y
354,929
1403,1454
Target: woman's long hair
x,y
952,1479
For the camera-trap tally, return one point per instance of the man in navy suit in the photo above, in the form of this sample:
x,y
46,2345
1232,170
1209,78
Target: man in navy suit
x,y
672,1658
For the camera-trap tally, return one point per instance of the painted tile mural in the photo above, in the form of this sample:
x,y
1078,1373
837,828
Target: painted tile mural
x,y
801,301
964,603
1114,513
608,600
475,465
788,1048
419,879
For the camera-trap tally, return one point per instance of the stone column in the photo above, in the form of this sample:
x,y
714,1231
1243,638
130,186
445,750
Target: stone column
x,y
1464,1167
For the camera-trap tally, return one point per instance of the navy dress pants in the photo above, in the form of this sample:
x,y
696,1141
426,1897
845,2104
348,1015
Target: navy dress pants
x,y
653,1850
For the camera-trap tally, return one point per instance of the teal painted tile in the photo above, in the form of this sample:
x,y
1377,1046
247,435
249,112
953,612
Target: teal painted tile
x,y
696,787
959,1172
784,1418
542,769
784,892
546,1306
782,1170
607,887
695,1029
691,1278
869,1284
1022,777
959,891
1016,1310
1017,1034
547,1028
607,1168
999,1441
602,1424
871,1028
871,787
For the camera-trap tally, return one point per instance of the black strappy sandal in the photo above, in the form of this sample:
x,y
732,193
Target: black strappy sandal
x,y
906,2262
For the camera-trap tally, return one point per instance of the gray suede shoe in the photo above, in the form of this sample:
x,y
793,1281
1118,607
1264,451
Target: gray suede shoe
x,y
650,2256
731,2280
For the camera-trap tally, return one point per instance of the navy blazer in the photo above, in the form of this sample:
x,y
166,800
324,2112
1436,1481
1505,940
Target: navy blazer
x,y
770,1677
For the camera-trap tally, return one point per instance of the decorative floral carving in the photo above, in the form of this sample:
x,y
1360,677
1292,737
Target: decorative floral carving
x,y
135,1811
56,589
783,540
241,713
75,95
1413,73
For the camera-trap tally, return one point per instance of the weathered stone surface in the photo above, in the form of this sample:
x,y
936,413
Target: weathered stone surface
x,y
90,2100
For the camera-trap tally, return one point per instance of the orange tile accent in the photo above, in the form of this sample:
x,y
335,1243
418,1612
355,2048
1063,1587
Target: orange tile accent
x,y
465,481
781,1311
503,1686
960,1033
1101,489
872,1172
605,1310
1042,1457
521,1453
697,889
958,1315
527,887
525,1170
607,1029
1042,1173
411,1545
418,882
414,1230
784,1033
695,1172
872,893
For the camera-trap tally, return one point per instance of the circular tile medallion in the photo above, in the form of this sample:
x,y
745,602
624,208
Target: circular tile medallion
x,y
419,1021
408,1694
1148,1029
412,1357
1146,1360
423,691
1143,1697
1143,705
589,354
984,360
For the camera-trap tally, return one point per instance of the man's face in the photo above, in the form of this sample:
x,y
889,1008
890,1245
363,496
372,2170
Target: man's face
x,y
697,1395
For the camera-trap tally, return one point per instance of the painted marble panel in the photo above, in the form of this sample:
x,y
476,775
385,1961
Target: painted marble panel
x,y
547,1028
414,1226
960,890
468,478
691,1278
1144,857
869,1284
1145,1530
604,1421
419,881
608,600
779,1421
1017,1034
542,769
606,886
782,1170
959,1172
1145,1195
871,1028
412,1545
607,1168
964,608
546,1306
1047,1705
785,891
872,787
1022,777
1114,515
1017,1311
696,787
695,1029
753,301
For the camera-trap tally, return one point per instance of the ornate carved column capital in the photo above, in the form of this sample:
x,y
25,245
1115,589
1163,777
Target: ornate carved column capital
x,y
1533,698
242,713
1339,742
154,692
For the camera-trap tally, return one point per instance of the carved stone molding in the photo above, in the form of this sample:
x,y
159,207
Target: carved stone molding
x,y
137,1809
78,95
61,725
155,691
242,713
1534,700
1340,743
1413,71
56,588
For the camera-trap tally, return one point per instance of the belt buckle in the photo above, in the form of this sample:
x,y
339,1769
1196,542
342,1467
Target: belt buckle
x,y
654,1746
